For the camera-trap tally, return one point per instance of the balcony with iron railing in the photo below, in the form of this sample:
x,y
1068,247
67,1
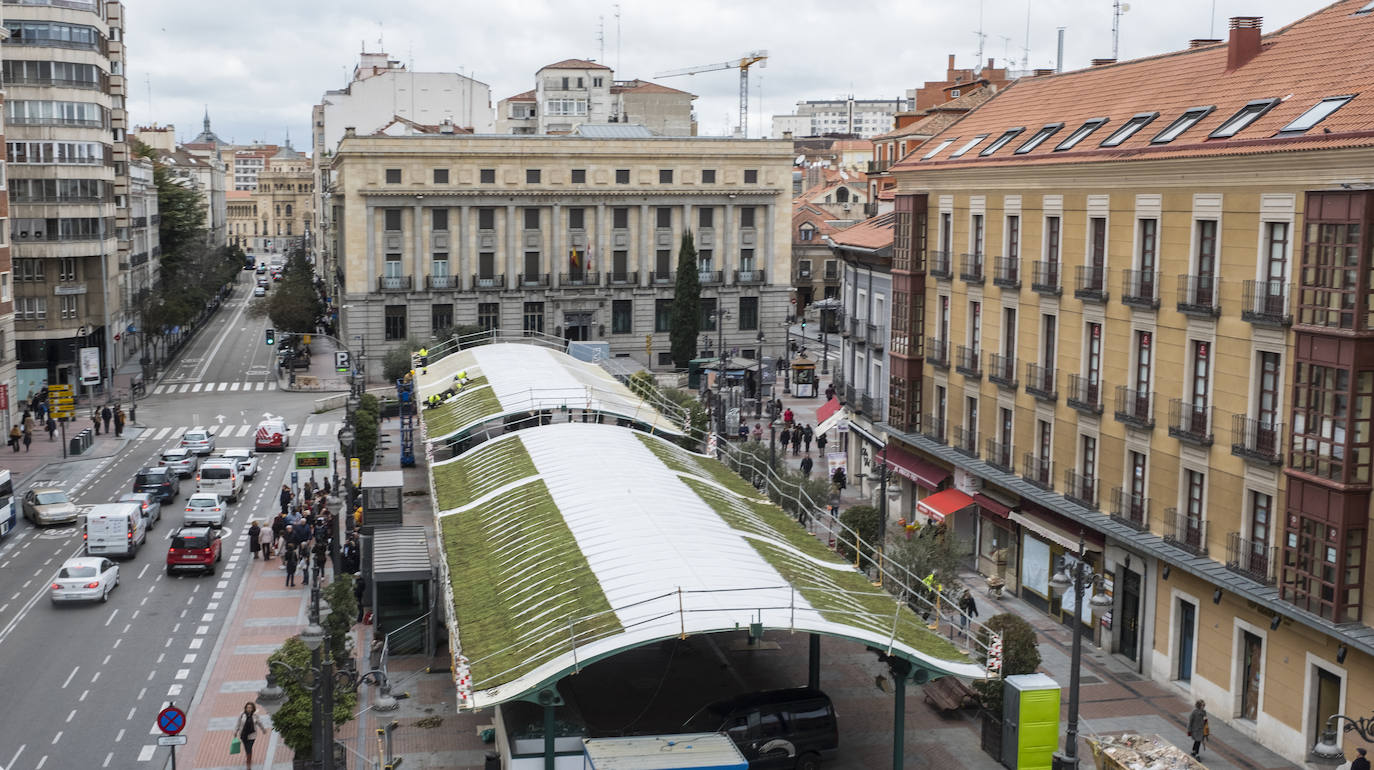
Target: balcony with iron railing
x,y
1038,471
871,407
1197,296
971,268
878,166
1258,441
1140,288
933,427
1080,489
998,455
851,396
876,335
1041,382
1252,558
1090,283
1045,278
1006,272
711,277
442,282
968,361
1002,371
801,275
749,276
1084,394
1135,408
1190,422
1186,532
395,282
854,328
941,265
1265,303
966,441
937,352
488,282
623,278
534,280
579,280
1131,509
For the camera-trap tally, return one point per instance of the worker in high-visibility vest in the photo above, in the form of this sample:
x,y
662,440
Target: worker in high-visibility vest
x,y
424,357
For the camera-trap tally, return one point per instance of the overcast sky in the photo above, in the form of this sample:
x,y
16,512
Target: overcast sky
x,y
260,68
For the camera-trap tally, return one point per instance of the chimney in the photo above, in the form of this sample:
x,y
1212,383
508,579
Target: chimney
x,y
787,135
1103,62
990,62
1199,42
350,131
1039,72
950,68
1245,41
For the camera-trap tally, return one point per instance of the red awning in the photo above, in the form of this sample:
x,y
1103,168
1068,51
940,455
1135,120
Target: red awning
x,y
942,504
828,408
923,472
991,506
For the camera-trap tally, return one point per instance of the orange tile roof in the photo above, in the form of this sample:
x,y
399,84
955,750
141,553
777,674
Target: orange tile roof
x,y
942,116
645,87
523,96
803,213
238,194
870,234
575,64
1322,55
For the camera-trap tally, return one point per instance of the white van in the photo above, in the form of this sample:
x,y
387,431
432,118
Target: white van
x,y
222,477
115,529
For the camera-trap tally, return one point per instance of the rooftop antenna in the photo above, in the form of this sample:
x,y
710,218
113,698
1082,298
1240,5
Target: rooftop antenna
x,y
1119,8
1212,21
978,66
1006,51
1025,51
617,36
380,37
148,82
601,37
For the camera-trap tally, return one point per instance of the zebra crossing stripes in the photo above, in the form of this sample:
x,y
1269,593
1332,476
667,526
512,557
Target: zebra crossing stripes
x,y
225,432
212,387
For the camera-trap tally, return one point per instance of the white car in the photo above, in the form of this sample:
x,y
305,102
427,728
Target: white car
x,y
180,459
259,291
248,462
202,442
205,509
84,579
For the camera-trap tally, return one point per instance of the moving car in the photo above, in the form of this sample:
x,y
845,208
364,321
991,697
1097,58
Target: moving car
x,y
195,548
248,462
115,529
163,483
259,291
84,579
148,503
272,436
262,268
789,728
202,442
179,459
205,509
221,477
49,505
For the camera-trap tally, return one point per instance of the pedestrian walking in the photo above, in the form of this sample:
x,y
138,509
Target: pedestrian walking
x,y
106,415
1361,762
265,538
758,432
321,558
837,478
29,425
15,435
359,588
291,560
785,438
796,440
95,420
51,427
807,435
278,527
246,731
119,422
969,609
254,538
28,439
820,444
285,498
806,467
1197,727
788,417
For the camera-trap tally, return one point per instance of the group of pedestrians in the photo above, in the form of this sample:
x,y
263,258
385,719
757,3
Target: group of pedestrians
x,y
105,415
22,432
302,534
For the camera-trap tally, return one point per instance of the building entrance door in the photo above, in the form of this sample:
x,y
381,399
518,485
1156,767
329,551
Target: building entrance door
x,y
1130,614
577,326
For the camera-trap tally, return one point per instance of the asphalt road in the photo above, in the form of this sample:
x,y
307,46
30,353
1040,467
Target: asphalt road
x,y
87,681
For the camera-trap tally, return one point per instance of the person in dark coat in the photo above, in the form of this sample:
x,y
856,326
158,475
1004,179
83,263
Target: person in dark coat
x,y
1197,726
807,435
285,498
968,607
291,559
796,441
820,444
806,466
28,439
359,588
105,416
254,535
278,529
837,478
785,438
1361,762
52,428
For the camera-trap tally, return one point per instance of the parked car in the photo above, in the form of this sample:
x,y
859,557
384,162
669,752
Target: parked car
x,y
163,483
195,548
205,509
180,459
789,728
247,460
148,503
49,505
84,579
202,442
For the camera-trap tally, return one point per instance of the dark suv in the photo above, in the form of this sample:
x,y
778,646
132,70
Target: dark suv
x,y
196,548
774,729
163,483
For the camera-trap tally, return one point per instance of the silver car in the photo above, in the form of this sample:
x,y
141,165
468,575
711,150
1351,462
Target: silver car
x,y
248,462
180,459
84,579
205,509
148,502
202,442
49,505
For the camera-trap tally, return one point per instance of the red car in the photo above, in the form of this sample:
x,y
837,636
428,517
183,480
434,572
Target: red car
x,y
194,548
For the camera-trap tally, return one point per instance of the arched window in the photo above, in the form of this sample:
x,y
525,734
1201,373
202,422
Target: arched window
x,y
842,195
288,211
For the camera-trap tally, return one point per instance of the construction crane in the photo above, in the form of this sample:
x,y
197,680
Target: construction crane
x,y
742,64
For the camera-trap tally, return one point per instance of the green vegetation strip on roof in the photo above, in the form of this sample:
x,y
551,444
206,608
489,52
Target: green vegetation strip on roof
x,y
518,577
682,461
489,466
473,404
840,595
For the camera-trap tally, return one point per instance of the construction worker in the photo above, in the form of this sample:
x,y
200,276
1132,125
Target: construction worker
x,y
424,357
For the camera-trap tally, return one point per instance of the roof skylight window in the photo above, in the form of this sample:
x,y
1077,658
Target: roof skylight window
x,y
1369,7
1317,113
1243,118
1002,140
938,148
1080,133
1040,136
1182,123
1129,128
971,144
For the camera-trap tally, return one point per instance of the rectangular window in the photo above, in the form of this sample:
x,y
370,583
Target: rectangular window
x,y
486,219
441,176
1243,118
1143,357
706,217
1013,237
751,176
1009,334
487,176
438,219
391,219
1002,140
1052,240
1089,462
534,318
489,315
975,326
1047,340
1093,372
665,176
1184,122
1198,391
1045,439
622,316
576,218
1080,133
1206,264
66,269
663,216
946,232
531,273
748,313
532,176
1195,485
746,217
708,314
1261,517
441,317
1005,431
708,176
1149,239
1038,138
663,262
579,176
620,260
1316,114
531,218
393,176
704,259
622,176
620,218
395,322
663,315
68,305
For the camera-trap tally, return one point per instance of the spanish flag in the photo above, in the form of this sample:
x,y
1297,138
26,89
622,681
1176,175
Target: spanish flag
x,y
575,260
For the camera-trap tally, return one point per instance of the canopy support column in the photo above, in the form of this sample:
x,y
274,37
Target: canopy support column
x,y
900,669
549,758
813,663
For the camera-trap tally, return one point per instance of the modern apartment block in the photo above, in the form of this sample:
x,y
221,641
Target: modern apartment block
x,y
563,235
1139,293
68,169
865,118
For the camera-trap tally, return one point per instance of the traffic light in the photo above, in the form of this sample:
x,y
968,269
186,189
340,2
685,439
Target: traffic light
x,y
271,337
803,327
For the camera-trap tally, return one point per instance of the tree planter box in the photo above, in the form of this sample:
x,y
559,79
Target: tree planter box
x,y
992,735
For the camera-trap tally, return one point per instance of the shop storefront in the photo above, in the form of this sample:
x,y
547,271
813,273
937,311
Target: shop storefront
x,y
915,478
1049,542
999,543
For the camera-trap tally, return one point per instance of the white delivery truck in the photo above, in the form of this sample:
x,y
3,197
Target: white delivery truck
x,y
115,529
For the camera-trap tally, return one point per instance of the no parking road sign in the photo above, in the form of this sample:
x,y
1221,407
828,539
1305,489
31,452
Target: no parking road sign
x,y
171,720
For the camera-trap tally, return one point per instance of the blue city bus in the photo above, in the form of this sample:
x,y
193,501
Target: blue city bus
x,y
7,504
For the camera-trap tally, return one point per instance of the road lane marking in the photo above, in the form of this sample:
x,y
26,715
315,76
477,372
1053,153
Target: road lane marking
x,y
72,715
147,753
44,760
106,662
55,739
15,758
110,619
131,714
144,571
84,693
108,757
235,386
72,674
196,388
95,678
183,673
196,643
120,735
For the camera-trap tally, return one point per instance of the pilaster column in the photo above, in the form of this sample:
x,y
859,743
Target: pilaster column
x,y
557,252
647,247
512,233
418,217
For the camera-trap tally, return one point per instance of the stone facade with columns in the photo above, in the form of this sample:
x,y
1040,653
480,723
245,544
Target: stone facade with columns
x,y
567,236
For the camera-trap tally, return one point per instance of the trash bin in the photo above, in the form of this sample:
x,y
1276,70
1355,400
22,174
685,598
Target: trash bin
x,y
75,445
492,761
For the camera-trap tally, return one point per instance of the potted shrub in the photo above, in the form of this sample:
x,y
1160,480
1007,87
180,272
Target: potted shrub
x,y
1020,655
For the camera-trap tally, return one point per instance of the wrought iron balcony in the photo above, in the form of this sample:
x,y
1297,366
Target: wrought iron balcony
x,y
969,361
1038,471
941,265
933,427
1002,371
1252,558
1084,394
856,328
711,277
1080,489
937,352
966,441
579,280
877,166
876,334
1140,288
1190,422
1040,382
1257,440
1006,272
1186,532
998,455
871,406
623,277
1131,510
441,282
395,282
1135,408
1045,278
534,280
1197,295
1266,303
1090,283
749,276
971,268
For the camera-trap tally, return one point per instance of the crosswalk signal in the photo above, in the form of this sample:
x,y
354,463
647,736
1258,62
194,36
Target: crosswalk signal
x,y
271,337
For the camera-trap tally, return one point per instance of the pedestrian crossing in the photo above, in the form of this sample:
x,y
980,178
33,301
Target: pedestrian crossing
x,y
225,432
212,387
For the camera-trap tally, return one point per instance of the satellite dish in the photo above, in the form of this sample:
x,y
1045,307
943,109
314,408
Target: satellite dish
x,y
800,160
843,175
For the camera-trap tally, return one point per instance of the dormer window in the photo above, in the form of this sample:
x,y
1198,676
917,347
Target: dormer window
x,y
954,93
974,142
1129,128
1080,133
942,145
1243,118
1182,123
1040,136
806,233
1318,112
1002,140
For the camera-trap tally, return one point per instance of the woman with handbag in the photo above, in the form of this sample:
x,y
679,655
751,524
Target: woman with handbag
x,y
249,726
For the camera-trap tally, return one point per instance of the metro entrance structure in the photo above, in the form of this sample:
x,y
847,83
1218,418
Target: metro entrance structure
x,y
572,533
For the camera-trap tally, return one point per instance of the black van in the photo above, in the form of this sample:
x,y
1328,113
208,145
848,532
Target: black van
x,y
162,483
775,729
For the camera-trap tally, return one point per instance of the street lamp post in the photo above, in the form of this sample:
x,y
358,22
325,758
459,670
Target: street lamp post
x,y
787,361
758,379
1079,578
825,347
1327,752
